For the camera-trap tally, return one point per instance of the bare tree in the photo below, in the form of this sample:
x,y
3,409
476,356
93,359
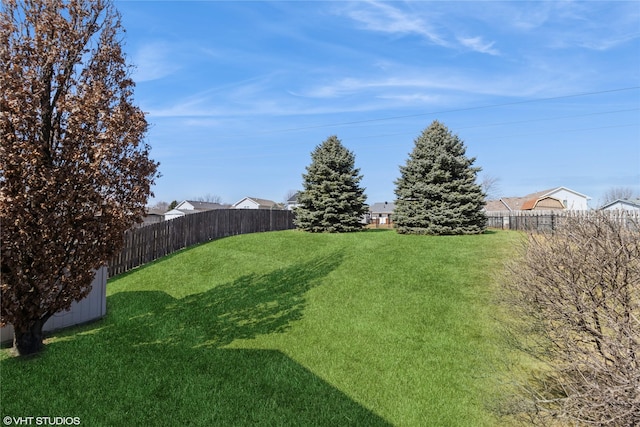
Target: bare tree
x,y
490,186
74,170
617,193
209,198
577,295
161,206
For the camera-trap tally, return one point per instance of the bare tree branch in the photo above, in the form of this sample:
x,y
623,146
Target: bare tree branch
x,y
577,293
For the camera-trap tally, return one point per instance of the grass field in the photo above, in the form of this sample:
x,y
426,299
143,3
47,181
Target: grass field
x,y
283,328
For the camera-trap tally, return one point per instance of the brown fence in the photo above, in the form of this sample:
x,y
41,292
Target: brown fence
x,y
540,221
148,243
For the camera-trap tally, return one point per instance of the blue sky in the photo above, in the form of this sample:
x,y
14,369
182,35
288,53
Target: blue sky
x,y
238,93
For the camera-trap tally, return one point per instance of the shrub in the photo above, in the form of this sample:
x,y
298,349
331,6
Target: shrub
x,y
576,292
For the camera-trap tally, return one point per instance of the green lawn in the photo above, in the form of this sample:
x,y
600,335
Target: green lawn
x,y
284,328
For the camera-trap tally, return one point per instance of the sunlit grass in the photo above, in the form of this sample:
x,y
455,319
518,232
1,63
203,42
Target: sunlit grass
x,y
284,328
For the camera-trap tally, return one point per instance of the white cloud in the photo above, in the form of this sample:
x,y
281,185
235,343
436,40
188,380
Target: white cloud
x,y
478,45
523,16
597,42
417,82
588,25
414,98
154,61
382,17
379,16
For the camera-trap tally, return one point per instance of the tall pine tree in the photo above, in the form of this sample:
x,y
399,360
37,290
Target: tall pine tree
x,y
332,199
437,192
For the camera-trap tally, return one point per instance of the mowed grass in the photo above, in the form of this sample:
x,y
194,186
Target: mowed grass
x,y
284,328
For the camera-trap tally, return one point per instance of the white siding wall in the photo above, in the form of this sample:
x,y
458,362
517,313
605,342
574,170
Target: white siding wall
x,y
571,200
93,307
185,206
622,206
173,213
247,204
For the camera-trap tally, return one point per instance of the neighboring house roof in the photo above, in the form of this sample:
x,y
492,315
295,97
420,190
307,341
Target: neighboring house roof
x,y
292,202
293,198
624,204
155,212
508,203
555,190
538,200
382,208
545,202
199,206
496,205
261,203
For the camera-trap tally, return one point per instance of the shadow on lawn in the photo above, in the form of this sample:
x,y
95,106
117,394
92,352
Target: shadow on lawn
x,y
156,360
249,306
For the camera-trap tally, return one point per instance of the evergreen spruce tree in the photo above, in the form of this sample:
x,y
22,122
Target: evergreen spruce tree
x,y
332,199
437,192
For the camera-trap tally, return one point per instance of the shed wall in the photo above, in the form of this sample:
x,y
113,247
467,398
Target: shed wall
x,y
93,307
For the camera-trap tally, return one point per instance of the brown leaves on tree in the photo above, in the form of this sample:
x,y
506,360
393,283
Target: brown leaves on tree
x,y
75,172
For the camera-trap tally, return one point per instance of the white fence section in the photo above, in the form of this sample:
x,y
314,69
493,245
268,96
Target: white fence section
x,y
93,307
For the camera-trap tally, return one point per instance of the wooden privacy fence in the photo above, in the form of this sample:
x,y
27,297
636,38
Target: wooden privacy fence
x,y
148,243
541,221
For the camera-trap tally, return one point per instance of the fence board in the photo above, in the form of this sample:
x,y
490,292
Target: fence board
x,y
150,242
540,221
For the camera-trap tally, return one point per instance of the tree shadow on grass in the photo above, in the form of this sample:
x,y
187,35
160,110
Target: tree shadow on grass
x,y
251,305
157,360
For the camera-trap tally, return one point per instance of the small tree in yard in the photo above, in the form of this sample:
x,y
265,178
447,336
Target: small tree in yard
x,y
74,171
332,199
437,192
576,293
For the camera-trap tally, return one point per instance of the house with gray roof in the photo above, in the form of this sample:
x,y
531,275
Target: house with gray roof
x,y
256,203
292,202
381,213
187,207
623,205
151,216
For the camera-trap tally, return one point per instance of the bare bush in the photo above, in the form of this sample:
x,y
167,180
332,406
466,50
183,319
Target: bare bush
x,y
576,293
